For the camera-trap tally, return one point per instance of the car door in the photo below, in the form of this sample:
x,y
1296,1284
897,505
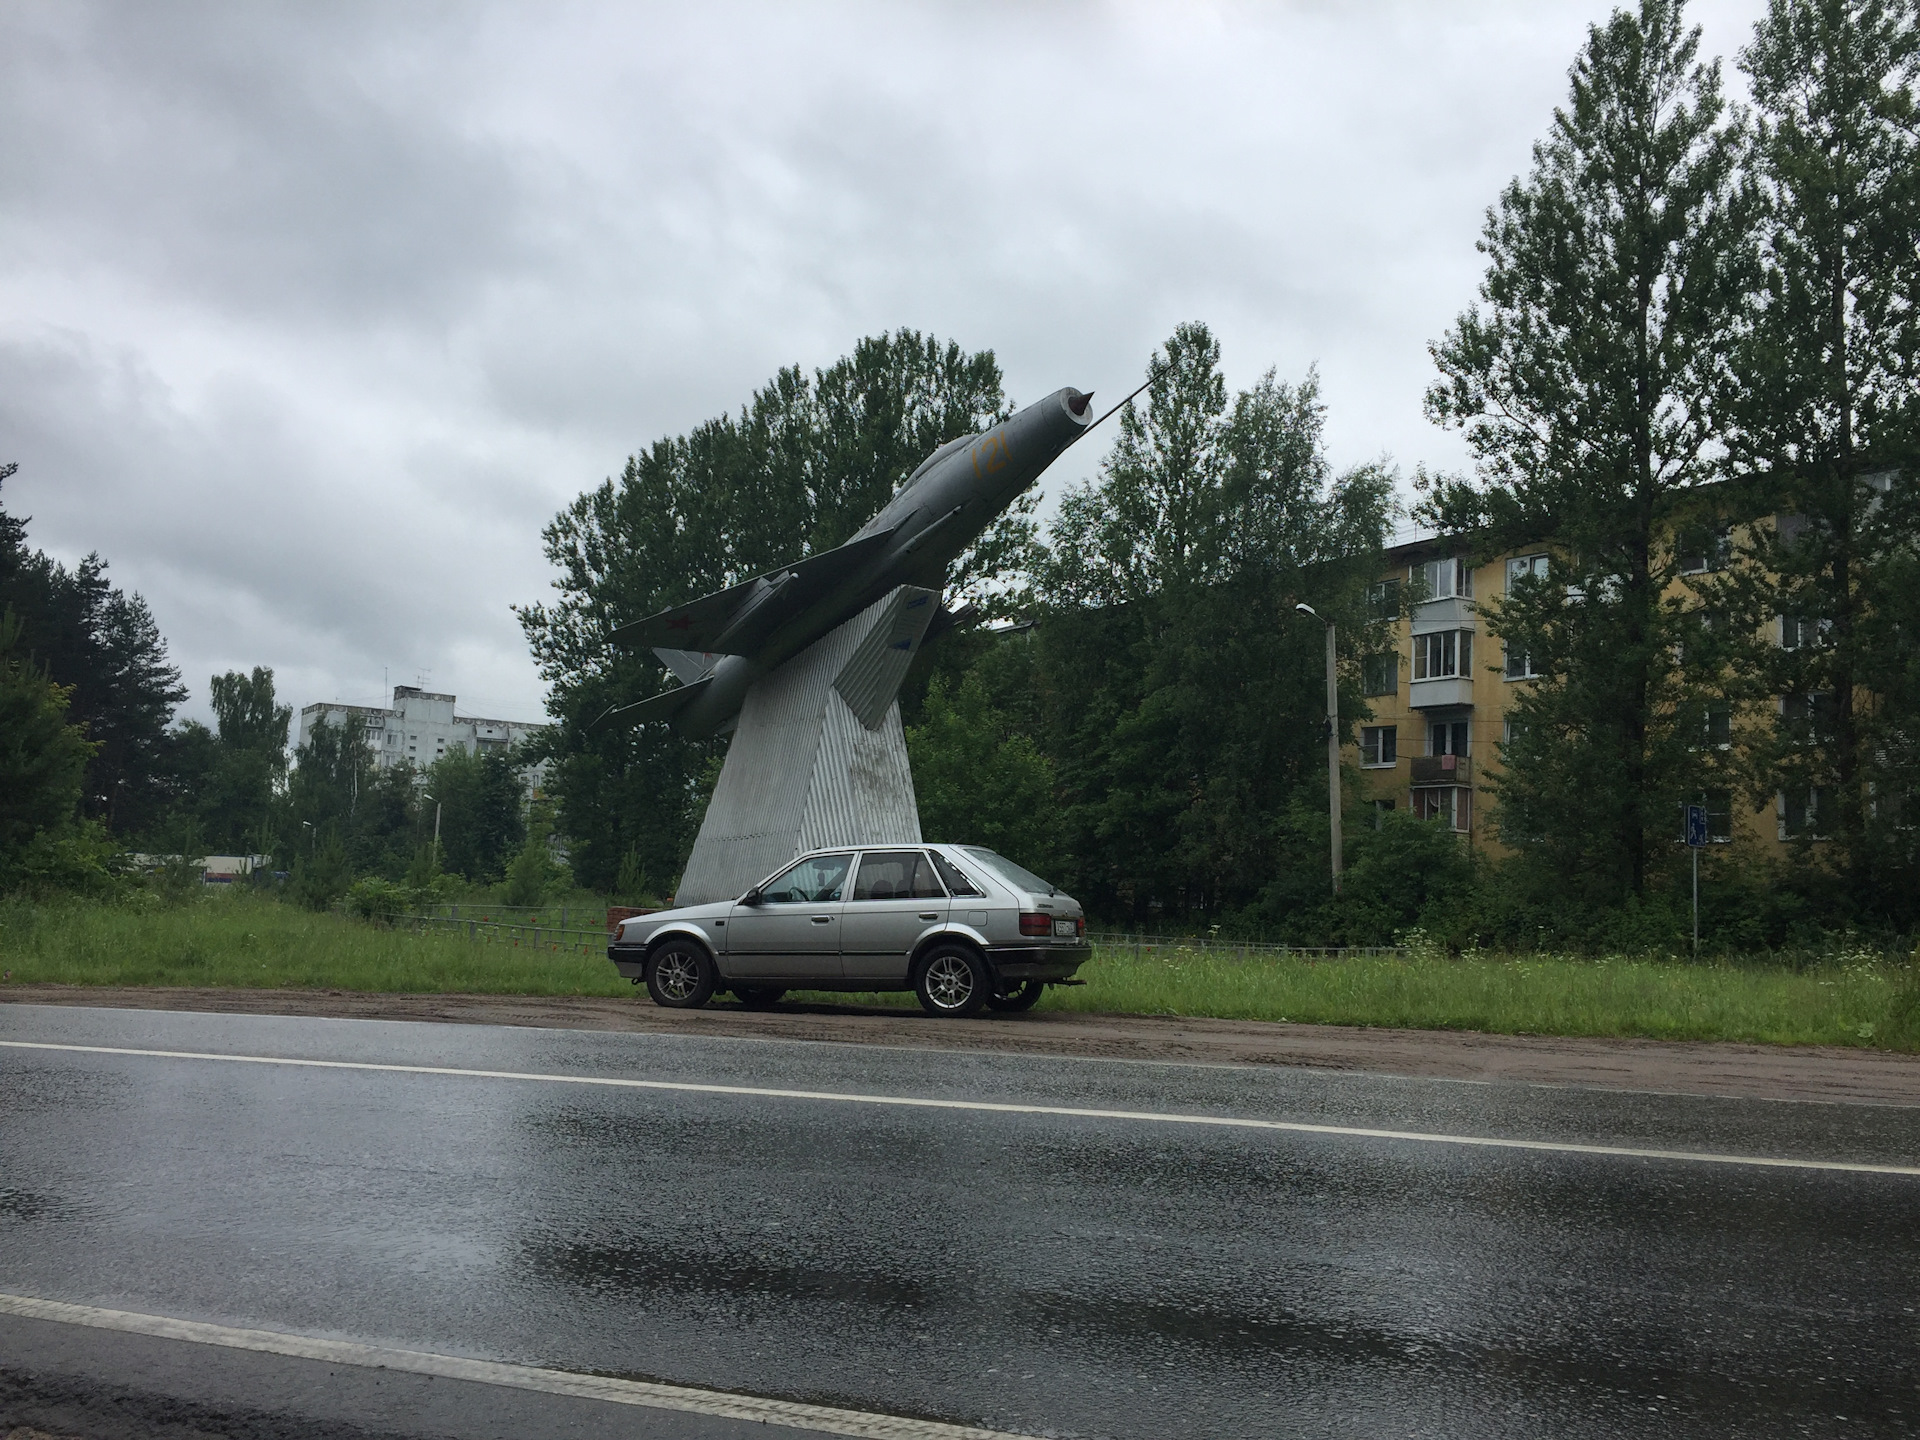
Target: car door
x,y
792,933
895,898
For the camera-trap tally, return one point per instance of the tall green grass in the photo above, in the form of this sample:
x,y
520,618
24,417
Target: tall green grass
x,y
237,939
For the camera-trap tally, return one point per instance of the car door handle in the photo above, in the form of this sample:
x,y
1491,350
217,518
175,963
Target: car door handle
x,y
823,919
929,914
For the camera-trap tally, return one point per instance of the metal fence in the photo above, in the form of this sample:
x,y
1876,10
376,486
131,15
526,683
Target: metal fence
x,y
558,930
524,927
1218,949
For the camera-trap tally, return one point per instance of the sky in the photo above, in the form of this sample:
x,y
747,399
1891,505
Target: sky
x,y
312,315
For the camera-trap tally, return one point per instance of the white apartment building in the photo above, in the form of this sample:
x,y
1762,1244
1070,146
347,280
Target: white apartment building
x,y
420,728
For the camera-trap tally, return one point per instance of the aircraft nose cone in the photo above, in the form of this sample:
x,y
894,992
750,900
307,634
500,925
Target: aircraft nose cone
x,y
1078,402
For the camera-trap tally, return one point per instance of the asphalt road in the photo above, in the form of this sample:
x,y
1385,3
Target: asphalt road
x,y
1030,1270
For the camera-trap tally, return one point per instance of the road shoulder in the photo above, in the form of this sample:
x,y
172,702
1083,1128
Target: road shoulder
x,y
1768,1072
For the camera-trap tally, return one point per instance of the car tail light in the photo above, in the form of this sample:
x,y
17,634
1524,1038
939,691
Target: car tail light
x,y
1080,926
1032,924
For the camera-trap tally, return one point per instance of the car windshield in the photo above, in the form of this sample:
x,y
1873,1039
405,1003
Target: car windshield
x,y
1017,875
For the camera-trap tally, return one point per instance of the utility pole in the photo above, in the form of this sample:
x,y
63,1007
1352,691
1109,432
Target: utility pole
x,y
436,829
1333,743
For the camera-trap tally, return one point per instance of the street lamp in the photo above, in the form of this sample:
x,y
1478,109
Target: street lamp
x,y
1333,742
436,828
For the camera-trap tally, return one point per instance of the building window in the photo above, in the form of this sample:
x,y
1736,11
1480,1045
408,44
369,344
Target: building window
x,y
1380,674
1803,811
1512,730
1443,654
1522,566
1448,737
1800,634
1719,725
1719,805
1519,665
1380,809
1704,548
1379,745
1445,579
1452,804
1383,600
1811,719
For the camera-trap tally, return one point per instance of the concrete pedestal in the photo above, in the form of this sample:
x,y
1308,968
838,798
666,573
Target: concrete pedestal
x,y
819,756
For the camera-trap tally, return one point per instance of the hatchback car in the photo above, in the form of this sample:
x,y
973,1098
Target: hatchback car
x,y
964,928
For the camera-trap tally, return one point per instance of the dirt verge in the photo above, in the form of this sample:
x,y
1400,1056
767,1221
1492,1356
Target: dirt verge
x,y
1770,1072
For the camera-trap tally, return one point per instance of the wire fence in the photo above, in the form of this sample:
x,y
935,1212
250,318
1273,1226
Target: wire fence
x,y
1215,948
560,930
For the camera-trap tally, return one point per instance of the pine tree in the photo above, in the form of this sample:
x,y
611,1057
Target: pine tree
x,y
1826,428
1586,382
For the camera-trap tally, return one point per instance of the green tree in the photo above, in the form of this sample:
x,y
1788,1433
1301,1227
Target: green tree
x,y
1182,699
483,803
242,765
1586,382
978,781
102,644
43,757
799,469
1827,418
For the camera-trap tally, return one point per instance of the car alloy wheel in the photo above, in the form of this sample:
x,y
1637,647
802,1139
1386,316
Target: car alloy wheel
x,y
953,982
681,976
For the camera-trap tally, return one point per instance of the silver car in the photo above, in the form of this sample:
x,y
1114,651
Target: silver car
x,y
964,928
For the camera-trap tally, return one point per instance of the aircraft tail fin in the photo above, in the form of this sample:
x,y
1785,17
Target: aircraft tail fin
x,y
687,665
870,680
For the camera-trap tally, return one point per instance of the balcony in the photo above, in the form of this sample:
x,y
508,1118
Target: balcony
x,y
1442,770
1432,694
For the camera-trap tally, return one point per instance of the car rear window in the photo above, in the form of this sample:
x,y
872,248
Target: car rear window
x,y
957,882
1014,874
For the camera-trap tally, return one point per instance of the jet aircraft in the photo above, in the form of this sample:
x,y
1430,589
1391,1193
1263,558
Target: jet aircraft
x,y
721,643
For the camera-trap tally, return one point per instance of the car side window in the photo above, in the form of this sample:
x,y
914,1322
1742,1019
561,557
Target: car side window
x,y
956,879
897,875
814,881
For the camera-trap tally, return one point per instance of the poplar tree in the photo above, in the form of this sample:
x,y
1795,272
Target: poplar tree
x,y
1825,426
1586,381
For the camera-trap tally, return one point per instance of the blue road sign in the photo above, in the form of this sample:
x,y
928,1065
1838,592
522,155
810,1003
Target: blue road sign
x,y
1696,826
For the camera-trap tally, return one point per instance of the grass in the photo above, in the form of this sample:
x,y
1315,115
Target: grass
x,y
240,940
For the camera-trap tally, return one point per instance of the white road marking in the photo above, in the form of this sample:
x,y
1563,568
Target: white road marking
x,y
822,1419
1159,1117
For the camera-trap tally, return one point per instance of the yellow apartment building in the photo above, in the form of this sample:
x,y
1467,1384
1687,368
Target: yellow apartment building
x,y
1440,700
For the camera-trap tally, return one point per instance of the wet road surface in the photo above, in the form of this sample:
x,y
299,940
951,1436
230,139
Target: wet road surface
x,y
1038,1273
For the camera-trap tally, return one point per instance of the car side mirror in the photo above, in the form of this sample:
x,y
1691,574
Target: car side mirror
x,y
752,897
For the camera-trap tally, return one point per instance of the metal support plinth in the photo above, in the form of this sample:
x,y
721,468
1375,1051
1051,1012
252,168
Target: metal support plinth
x,y
818,757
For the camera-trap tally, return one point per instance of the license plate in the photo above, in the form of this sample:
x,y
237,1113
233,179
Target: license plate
x,y
1065,929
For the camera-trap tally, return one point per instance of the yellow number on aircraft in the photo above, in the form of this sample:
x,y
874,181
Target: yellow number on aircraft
x,y
994,450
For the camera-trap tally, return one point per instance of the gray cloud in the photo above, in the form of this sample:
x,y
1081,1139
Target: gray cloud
x,y
310,317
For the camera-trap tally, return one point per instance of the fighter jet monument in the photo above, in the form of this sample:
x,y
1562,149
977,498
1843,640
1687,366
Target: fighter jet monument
x,y
805,663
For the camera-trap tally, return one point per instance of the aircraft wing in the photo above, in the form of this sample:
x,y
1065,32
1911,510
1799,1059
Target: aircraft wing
x,y
714,624
663,706
693,626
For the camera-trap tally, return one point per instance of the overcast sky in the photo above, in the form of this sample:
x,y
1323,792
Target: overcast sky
x,y
312,315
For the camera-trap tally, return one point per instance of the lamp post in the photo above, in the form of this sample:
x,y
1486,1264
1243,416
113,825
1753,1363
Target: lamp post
x,y
436,830
1333,742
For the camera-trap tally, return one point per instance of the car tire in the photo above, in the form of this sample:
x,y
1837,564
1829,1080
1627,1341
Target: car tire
x,y
680,975
1023,996
757,997
953,981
